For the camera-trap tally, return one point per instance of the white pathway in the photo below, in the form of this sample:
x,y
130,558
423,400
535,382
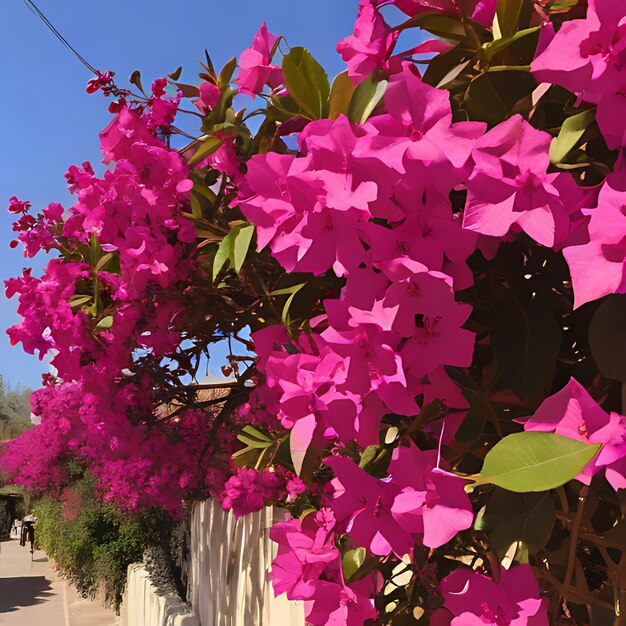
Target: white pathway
x,y
31,594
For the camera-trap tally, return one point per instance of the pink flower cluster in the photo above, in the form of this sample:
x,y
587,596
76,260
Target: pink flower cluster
x,y
131,247
572,412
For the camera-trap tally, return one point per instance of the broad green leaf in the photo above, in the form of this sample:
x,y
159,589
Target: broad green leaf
x,y
526,338
492,95
351,561
340,95
224,252
480,408
306,82
207,148
572,130
509,517
242,246
105,323
365,98
607,337
233,248
508,13
534,461
497,45
435,22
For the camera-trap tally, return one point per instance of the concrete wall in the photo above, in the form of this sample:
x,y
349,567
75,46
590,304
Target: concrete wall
x,y
229,578
229,583
145,605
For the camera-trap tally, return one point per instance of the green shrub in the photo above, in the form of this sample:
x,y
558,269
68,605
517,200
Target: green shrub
x,y
93,543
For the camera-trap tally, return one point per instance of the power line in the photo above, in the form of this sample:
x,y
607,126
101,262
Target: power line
x,y
33,7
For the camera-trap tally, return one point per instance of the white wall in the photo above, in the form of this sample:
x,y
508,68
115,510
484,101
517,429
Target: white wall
x,y
144,605
229,582
229,578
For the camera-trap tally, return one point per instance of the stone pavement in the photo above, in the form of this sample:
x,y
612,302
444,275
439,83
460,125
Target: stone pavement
x,y
31,594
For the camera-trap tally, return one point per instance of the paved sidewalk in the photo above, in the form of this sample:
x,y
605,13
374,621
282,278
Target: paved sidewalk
x,y
31,594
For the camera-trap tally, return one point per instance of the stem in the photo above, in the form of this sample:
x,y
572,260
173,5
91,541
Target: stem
x,y
574,534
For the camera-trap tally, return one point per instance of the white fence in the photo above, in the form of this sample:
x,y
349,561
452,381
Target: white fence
x,y
229,583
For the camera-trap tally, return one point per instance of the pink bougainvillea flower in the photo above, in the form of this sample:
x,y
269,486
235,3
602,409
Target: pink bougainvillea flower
x,y
308,209
208,96
598,266
305,549
587,56
481,11
433,503
610,118
476,600
339,604
510,185
255,65
363,505
418,123
572,412
248,490
370,45
416,498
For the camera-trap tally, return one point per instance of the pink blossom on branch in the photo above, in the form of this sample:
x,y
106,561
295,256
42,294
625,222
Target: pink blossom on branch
x,y
474,599
255,64
510,188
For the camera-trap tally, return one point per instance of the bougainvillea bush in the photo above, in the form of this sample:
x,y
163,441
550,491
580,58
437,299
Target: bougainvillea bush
x,y
423,264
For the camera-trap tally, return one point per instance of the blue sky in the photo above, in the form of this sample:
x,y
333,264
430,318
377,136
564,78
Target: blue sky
x,y
49,120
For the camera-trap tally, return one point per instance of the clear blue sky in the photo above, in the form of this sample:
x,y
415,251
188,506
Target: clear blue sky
x,y
49,122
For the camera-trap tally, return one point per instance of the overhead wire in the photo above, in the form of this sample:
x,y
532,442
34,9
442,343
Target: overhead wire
x,y
35,9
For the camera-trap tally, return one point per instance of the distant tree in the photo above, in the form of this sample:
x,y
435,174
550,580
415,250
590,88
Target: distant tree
x,y
14,410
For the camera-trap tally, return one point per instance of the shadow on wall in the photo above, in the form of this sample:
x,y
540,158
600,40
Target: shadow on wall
x,y
16,593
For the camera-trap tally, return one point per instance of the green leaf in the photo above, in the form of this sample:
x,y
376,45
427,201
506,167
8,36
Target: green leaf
x,y
437,23
508,13
492,95
526,338
351,561
104,261
480,408
206,148
340,95
242,246
223,80
255,432
607,337
365,98
233,248
105,323
78,300
510,517
497,45
534,461
572,130
306,82
253,443
135,79
286,307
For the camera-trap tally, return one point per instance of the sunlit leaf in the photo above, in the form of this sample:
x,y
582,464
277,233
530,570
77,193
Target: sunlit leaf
x,y
572,130
306,82
534,461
